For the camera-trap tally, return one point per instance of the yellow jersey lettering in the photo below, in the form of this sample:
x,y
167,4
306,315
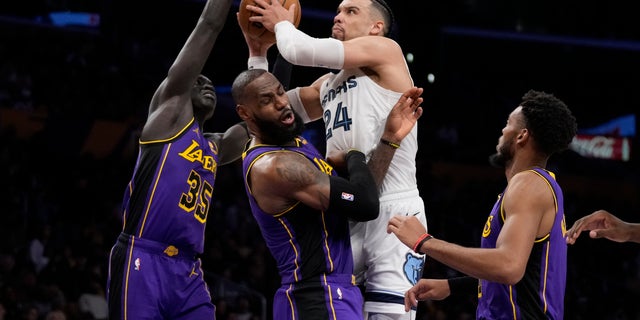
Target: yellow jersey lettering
x,y
195,153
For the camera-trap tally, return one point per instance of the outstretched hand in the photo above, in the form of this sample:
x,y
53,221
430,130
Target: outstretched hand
x,y
404,115
600,224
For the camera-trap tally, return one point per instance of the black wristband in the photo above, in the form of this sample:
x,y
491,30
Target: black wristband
x,y
462,284
425,237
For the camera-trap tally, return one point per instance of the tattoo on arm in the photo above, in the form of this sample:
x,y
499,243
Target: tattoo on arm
x,y
297,173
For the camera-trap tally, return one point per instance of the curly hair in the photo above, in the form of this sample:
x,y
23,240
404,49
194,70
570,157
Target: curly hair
x,y
550,121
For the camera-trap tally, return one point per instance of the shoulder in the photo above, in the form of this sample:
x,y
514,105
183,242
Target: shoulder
x,y
527,184
276,162
284,170
382,46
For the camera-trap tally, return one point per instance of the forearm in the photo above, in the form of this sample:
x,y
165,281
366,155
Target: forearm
x,y
380,161
634,232
215,14
480,263
356,198
303,50
231,143
282,71
195,52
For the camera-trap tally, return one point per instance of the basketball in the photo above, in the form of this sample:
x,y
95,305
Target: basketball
x,y
255,29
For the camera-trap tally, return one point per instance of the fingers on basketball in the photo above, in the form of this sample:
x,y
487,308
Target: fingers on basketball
x,y
255,29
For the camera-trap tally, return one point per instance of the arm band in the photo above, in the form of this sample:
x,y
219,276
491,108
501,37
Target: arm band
x,y
462,284
258,63
296,104
300,49
423,238
357,198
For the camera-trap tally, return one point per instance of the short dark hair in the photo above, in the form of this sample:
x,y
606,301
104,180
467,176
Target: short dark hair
x,y
550,121
387,14
241,82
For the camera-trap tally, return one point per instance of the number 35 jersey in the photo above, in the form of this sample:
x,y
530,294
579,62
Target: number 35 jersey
x,y
355,110
169,196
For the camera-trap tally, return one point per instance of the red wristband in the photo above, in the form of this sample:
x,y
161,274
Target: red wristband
x,y
423,238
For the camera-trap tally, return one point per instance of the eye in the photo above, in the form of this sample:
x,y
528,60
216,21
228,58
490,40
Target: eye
x,y
265,101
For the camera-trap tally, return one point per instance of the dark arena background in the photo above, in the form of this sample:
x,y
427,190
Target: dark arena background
x,y
76,78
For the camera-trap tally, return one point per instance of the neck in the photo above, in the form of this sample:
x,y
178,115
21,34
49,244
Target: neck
x,y
517,165
256,140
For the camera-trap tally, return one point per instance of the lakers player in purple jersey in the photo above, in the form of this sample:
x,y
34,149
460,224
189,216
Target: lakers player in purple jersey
x,y
522,261
154,271
302,207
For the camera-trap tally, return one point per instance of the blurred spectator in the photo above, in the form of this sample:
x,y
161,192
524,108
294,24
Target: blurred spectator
x,y
37,247
93,301
55,315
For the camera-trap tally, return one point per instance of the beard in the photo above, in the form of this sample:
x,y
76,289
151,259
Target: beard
x,y
501,158
277,134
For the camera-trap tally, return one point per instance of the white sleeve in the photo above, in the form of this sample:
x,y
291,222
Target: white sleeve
x,y
300,49
296,104
258,63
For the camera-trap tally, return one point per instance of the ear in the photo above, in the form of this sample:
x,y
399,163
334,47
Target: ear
x,y
377,28
523,134
242,112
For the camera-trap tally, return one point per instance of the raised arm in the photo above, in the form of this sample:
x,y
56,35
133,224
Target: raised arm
x,y
171,107
402,118
194,54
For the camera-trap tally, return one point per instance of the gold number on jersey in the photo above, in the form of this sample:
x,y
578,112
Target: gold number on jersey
x,y
198,198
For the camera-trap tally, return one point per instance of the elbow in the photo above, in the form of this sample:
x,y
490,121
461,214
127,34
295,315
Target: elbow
x,y
510,275
368,210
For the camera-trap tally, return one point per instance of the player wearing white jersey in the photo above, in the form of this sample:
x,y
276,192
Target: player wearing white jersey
x,y
354,104
355,110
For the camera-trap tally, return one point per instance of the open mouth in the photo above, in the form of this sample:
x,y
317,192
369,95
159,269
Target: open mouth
x,y
287,117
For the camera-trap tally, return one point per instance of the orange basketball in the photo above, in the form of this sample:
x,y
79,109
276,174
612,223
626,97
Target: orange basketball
x,y
255,29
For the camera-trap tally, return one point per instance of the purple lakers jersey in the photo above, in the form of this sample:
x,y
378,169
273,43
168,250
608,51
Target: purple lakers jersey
x,y
169,196
306,243
540,293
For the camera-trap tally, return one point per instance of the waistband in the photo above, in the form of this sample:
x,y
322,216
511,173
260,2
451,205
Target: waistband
x,y
155,247
403,194
337,278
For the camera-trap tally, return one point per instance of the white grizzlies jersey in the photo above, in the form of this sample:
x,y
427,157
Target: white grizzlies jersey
x,y
355,112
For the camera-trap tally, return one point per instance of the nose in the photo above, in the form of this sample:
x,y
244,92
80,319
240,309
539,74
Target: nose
x,y
282,101
337,18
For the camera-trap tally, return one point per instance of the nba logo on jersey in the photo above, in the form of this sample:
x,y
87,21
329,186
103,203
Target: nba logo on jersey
x,y
347,196
137,264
